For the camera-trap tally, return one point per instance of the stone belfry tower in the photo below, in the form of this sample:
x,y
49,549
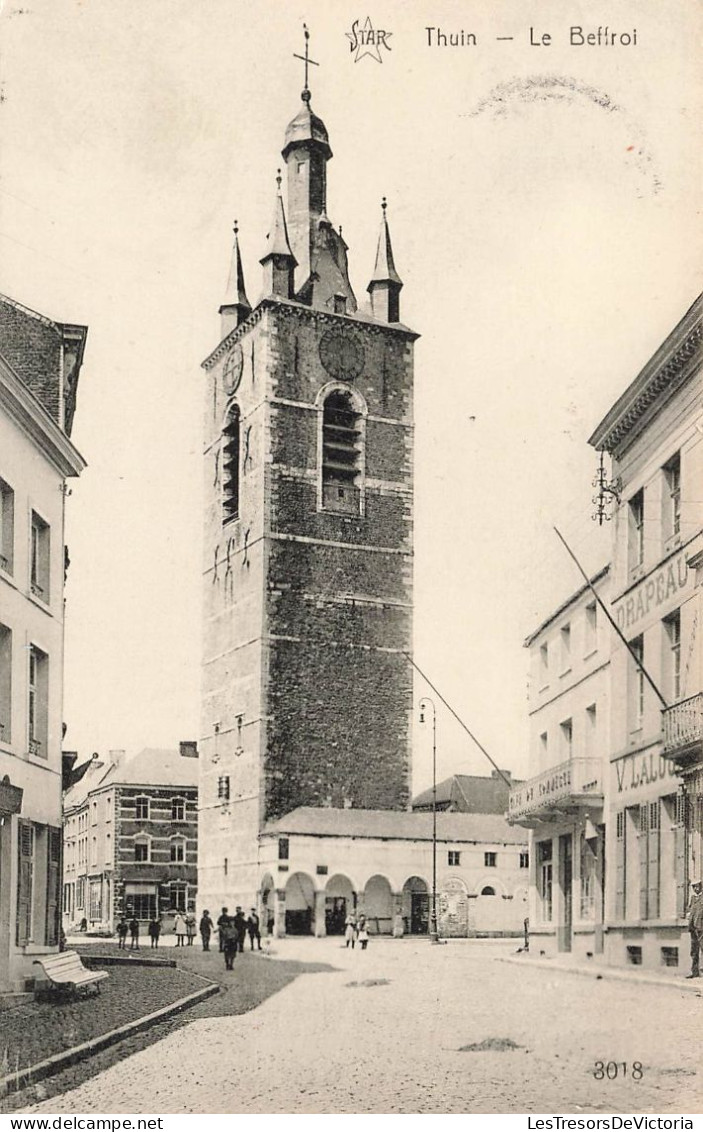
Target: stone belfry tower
x,y
308,534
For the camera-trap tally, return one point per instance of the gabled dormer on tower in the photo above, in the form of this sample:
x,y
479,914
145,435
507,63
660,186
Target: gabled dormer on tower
x,y
322,275
278,261
386,284
236,306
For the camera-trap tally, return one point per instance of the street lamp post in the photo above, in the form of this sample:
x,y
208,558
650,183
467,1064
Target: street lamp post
x,y
424,704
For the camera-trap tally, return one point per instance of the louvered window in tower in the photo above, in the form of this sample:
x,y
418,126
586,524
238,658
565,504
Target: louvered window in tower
x,y
230,465
341,454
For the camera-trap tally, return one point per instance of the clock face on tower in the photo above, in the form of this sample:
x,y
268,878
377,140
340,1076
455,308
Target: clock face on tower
x,y
232,371
342,355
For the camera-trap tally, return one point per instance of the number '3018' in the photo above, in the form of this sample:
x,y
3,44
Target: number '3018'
x,y
611,1070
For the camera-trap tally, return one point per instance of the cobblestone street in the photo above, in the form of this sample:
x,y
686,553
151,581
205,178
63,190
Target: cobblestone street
x,y
387,1031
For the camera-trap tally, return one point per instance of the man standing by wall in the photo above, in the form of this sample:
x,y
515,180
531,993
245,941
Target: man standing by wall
x,y
695,926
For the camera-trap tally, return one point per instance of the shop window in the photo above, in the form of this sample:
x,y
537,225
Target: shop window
x,y
178,809
545,878
341,454
5,684
39,557
453,857
635,531
490,860
7,527
230,465
141,905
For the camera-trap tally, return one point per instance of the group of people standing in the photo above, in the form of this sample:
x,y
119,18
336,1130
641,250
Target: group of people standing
x,y
356,930
233,931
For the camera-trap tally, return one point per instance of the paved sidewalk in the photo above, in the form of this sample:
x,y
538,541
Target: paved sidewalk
x,y
674,980
409,1028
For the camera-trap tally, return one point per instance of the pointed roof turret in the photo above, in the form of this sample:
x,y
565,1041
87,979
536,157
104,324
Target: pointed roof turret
x,y
386,284
278,260
236,305
278,243
384,270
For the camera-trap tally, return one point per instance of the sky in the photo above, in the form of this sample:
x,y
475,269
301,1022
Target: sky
x,y
544,209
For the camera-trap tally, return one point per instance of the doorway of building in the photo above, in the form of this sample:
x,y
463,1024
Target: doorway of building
x,y
566,885
416,906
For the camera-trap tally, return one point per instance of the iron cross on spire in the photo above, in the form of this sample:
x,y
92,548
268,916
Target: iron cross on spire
x,y
306,60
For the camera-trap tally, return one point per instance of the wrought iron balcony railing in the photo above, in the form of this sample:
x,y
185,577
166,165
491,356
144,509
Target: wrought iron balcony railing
x,y
683,725
577,782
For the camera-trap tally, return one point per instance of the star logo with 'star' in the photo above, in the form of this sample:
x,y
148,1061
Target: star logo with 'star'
x,y
367,41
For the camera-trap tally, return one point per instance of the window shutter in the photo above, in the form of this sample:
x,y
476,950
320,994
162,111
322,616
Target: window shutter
x,y
620,866
653,862
680,842
53,880
25,877
642,842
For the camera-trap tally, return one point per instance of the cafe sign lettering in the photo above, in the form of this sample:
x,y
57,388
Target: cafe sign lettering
x,y
652,592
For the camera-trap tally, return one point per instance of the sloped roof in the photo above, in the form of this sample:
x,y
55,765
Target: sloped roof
x,y
474,793
154,766
398,825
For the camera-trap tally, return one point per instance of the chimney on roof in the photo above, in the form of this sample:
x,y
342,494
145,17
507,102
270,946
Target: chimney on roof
x,y
496,774
189,748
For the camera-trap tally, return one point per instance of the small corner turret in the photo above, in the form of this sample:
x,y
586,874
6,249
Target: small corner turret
x,y
386,284
278,261
236,306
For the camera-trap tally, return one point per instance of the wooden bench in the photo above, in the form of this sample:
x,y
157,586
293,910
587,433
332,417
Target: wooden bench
x,y
65,972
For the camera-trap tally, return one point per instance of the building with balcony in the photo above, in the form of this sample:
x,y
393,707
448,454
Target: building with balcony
x,y
130,839
562,803
654,436
40,361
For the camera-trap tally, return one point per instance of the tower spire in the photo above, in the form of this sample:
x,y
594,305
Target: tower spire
x,y
235,306
278,260
386,284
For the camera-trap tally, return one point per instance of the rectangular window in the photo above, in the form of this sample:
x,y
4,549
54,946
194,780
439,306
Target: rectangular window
x,y
141,905
223,788
544,663
178,852
524,860
591,629
620,865
490,860
142,809
453,857
141,851
649,846
179,897
672,657
544,878
7,527
94,813
5,684
636,684
94,851
567,737
39,557
635,535
178,809
283,848
591,736
95,902
544,750
25,882
565,637
38,705
672,497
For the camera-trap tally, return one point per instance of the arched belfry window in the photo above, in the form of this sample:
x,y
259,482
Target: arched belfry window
x,y
342,453
230,465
